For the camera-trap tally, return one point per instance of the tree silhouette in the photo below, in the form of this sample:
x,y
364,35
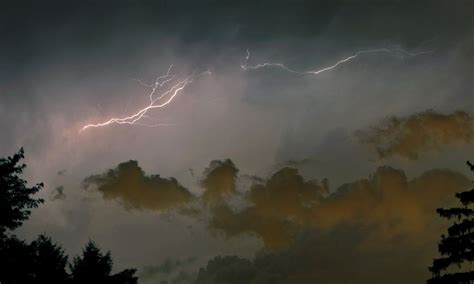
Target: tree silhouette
x,y
15,261
16,256
95,267
457,248
126,276
42,261
15,195
49,261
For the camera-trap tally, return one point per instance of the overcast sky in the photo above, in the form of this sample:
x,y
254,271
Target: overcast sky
x,y
66,64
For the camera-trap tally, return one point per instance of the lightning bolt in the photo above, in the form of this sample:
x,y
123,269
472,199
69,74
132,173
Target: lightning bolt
x,y
246,67
155,102
397,51
166,97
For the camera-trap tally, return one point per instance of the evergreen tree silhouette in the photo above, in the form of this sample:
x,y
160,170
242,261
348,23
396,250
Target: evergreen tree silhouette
x,y
16,261
92,267
457,248
42,261
95,267
48,261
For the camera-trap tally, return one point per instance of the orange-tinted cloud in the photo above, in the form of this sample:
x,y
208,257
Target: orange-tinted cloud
x,y
219,180
136,190
382,229
410,136
278,208
387,206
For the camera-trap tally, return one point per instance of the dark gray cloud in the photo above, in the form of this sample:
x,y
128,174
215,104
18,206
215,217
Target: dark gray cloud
x,y
168,269
323,257
252,19
36,32
58,193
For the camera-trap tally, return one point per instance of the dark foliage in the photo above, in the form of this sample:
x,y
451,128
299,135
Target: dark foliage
x,y
42,261
95,267
457,248
15,261
15,195
48,261
92,265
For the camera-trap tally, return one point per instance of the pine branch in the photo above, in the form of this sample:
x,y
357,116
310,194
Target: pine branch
x,y
466,197
455,212
454,278
456,245
466,226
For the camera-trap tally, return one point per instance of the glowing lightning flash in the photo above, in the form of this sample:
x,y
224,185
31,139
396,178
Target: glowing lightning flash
x,y
177,88
399,51
161,81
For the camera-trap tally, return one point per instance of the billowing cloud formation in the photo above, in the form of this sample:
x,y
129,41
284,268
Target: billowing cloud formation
x,y
278,207
410,136
389,207
386,207
382,229
130,185
219,180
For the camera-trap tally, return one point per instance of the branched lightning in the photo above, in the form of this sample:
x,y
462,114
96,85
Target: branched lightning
x,y
155,102
246,67
177,86
397,51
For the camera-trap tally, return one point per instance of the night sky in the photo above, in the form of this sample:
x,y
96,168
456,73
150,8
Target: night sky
x,y
315,177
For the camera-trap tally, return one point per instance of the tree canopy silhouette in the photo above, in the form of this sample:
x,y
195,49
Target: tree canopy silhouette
x,y
92,266
95,267
42,261
48,261
457,248
15,195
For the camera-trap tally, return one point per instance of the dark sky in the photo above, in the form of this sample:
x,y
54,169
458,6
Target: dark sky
x,y
378,122
33,30
34,33
90,34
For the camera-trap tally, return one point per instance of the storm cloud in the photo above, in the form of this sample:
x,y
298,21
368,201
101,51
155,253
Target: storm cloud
x,y
380,229
128,184
278,207
411,136
323,257
219,180
387,206
68,64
